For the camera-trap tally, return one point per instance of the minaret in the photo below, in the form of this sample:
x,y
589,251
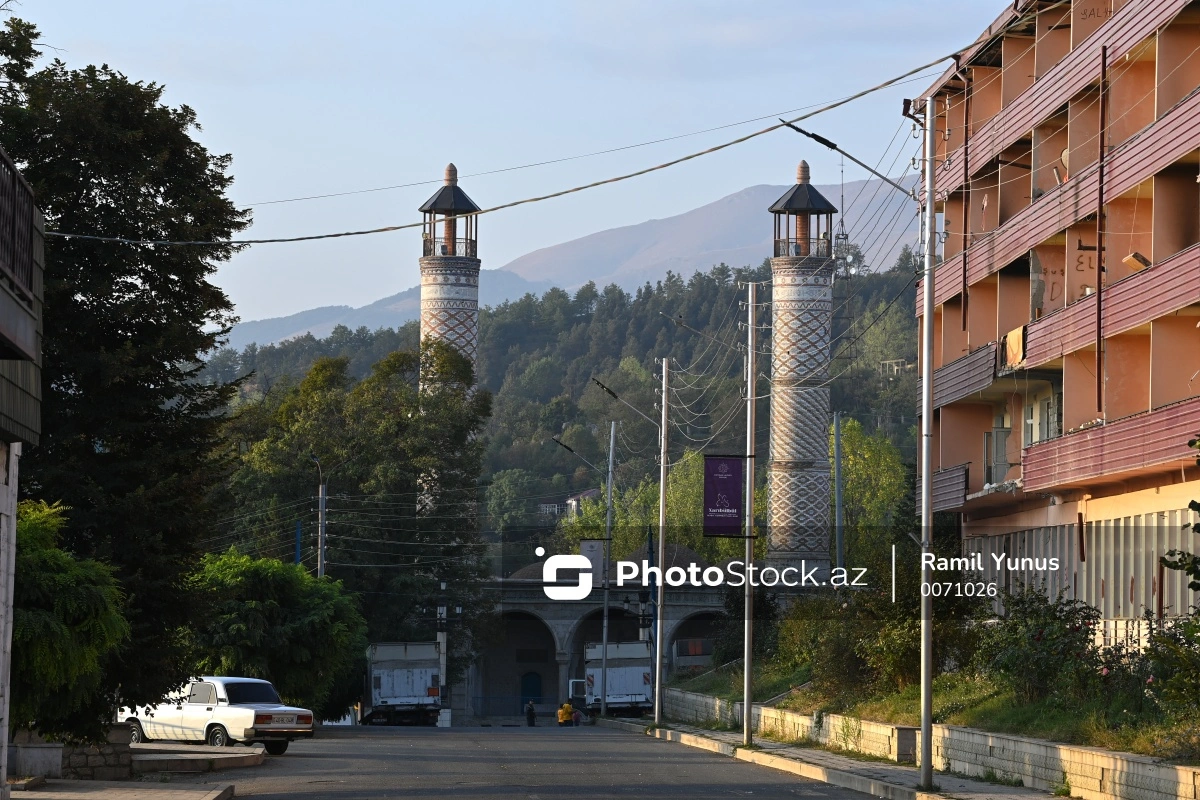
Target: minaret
x,y
450,268
802,269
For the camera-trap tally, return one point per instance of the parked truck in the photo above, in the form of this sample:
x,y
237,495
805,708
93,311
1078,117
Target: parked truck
x,y
404,685
630,683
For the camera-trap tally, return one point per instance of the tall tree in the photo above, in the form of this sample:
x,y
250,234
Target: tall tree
x,y
127,431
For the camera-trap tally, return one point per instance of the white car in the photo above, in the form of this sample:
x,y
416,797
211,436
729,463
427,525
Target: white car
x,y
222,712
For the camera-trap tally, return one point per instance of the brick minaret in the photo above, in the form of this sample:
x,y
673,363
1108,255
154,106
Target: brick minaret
x,y
802,271
450,268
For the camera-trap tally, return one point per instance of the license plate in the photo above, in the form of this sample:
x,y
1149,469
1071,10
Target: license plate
x,y
279,720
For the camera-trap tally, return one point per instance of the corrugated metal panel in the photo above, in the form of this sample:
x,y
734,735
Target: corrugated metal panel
x,y
947,282
1107,452
964,376
1169,139
949,488
1161,289
1064,331
1079,68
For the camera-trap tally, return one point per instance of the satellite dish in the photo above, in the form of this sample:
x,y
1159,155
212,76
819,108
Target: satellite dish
x,y
1066,157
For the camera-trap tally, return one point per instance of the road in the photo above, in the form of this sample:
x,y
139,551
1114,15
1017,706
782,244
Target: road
x,y
503,763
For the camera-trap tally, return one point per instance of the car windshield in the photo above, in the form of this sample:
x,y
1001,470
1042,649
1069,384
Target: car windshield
x,y
251,693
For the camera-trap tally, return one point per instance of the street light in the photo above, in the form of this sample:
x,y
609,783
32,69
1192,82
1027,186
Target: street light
x,y
608,523
660,637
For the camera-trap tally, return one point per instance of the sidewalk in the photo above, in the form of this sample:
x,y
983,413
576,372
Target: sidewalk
x,y
57,789
879,779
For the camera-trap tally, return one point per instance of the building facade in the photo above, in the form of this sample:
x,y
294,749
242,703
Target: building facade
x,y
1067,320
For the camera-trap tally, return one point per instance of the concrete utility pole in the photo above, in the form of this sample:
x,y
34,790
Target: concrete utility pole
x,y
838,509
443,682
748,644
930,240
608,523
321,530
661,627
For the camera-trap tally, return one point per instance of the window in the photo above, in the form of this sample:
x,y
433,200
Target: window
x,y
248,692
203,693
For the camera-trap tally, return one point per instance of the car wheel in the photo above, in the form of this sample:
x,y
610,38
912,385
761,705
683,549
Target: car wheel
x,y
218,737
136,734
276,747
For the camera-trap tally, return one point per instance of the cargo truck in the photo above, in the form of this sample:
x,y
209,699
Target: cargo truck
x,y
630,683
404,684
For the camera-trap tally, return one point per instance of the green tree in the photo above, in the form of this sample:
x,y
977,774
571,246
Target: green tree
x,y
275,621
128,432
66,620
401,453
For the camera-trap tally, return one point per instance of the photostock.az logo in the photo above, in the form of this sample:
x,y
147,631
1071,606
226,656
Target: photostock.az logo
x,y
550,572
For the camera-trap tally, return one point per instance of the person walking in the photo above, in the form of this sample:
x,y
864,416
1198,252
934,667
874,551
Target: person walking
x,y
530,714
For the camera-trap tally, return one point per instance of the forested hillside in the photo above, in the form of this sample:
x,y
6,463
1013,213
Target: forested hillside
x,y
538,356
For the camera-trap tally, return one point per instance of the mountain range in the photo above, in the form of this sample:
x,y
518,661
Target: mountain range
x,y
734,230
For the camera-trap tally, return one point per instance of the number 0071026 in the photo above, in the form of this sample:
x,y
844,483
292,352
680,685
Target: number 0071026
x,y
955,589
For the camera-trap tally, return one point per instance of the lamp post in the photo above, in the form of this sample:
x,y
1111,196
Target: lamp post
x,y
660,637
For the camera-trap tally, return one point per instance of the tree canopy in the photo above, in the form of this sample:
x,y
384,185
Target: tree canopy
x,y
128,434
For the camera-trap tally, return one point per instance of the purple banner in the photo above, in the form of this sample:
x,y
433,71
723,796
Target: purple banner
x,y
723,487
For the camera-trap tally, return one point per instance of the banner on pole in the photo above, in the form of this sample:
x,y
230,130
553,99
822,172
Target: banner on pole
x,y
723,486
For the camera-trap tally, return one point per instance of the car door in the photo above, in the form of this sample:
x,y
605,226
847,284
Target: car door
x,y
164,719
197,711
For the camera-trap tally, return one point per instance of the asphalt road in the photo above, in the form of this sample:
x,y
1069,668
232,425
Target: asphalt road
x,y
542,763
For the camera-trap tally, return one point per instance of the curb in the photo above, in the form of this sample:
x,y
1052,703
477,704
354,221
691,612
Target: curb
x,y
224,793
804,769
835,777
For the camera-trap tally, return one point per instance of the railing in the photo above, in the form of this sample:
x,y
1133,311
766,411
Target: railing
x,y
463,248
16,228
817,248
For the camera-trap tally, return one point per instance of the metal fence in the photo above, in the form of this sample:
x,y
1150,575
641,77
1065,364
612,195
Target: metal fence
x,y
16,228
817,248
463,248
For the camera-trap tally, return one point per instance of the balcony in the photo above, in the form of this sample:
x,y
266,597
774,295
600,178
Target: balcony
x,y
964,376
458,247
949,488
20,282
801,248
1149,442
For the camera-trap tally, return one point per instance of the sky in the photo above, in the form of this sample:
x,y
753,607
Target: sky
x,y
316,98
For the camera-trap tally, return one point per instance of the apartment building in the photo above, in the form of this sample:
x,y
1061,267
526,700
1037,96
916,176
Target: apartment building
x,y
1067,297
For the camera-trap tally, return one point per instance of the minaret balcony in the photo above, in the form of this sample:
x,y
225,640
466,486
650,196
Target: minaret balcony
x,y
816,248
459,247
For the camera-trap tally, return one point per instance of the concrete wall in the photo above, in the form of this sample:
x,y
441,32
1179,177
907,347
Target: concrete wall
x,y
1091,773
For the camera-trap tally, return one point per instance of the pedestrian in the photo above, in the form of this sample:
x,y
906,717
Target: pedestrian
x,y
530,714
577,717
565,712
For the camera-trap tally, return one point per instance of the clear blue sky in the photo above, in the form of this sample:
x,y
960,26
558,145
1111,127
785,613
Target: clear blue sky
x,y
318,97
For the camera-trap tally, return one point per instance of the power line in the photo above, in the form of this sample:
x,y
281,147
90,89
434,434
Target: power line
x,y
526,201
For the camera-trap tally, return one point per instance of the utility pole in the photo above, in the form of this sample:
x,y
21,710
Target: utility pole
x,y
608,523
442,655
748,645
661,627
930,240
838,520
321,530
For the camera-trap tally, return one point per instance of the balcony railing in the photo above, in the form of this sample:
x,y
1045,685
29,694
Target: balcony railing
x,y
16,229
463,248
817,248
949,488
1150,441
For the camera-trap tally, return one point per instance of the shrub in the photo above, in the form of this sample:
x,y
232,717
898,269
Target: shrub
x,y
1043,648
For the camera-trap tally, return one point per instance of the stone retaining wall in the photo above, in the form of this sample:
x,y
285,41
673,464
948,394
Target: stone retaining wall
x,y
112,761
1088,772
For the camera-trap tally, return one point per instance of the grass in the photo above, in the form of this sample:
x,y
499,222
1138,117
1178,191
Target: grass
x,y
725,682
973,702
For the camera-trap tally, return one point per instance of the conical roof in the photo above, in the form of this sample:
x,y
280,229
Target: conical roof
x,y
449,199
803,198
